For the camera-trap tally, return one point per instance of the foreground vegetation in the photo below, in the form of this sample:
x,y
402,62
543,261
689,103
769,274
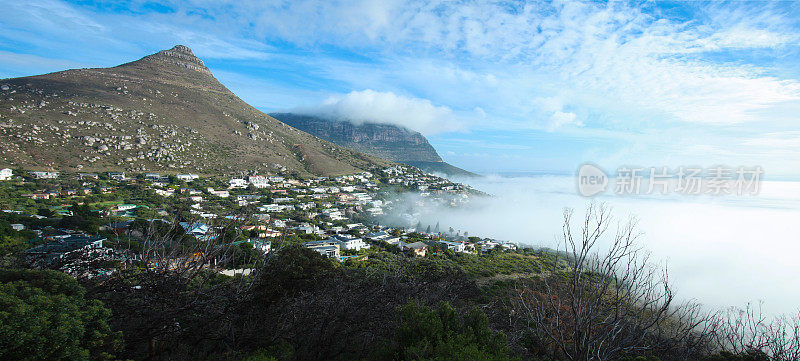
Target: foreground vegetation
x,y
299,305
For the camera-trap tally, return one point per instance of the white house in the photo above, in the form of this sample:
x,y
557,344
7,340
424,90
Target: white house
x,y
487,244
347,243
454,246
333,214
44,175
377,236
237,183
165,193
221,194
261,245
362,197
259,181
125,207
6,173
153,176
187,177
118,176
270,208
325,248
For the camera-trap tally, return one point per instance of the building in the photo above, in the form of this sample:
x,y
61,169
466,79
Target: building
x,y
237,183
221,194
187,177
454,246
308,228
487,244
195,229
6,174
44,175
325,248
164,193
377,236
258,244
271,208
349,243
125,207
156,177
333,214
382,237
261,245
270,233
61,247
117,176
259,181
418,249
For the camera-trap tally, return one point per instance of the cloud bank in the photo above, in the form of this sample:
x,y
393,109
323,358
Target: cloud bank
x,y
369,106
721,251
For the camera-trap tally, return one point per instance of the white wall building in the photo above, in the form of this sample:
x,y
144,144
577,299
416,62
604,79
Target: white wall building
x,y
454,246
187,177
45,175
349,243
237,183
259,181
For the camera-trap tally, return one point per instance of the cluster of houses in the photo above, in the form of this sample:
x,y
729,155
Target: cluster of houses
x,y
75,253
269,206
334,245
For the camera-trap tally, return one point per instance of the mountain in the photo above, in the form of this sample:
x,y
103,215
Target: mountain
x,y
164,112
386,141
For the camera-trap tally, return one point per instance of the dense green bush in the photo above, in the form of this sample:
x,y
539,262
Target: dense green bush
x,y
44,316
444,334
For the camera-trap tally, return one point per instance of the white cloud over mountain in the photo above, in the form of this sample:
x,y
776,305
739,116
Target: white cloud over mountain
x,y
369,106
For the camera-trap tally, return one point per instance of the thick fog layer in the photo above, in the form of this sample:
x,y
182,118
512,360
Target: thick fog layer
x,y
722,251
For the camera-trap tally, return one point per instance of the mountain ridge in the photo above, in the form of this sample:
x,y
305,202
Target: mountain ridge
x,y
163,112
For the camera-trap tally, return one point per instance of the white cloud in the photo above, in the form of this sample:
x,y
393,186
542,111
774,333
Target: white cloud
x,y
553,110
369,106
559,118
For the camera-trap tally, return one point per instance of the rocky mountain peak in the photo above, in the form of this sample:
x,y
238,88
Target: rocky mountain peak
x,y
180,55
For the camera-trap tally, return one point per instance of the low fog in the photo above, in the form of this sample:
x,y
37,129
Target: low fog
x,y
721,250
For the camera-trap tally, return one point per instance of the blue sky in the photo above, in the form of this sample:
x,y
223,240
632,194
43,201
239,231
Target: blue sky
x,y
496,86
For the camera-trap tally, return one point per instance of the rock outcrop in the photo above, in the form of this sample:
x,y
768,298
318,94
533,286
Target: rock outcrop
x,y
386,141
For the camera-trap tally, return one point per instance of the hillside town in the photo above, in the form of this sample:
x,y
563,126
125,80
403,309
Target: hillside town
x,y
97,215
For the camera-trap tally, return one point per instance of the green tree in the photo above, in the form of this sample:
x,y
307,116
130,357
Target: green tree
x,y
44,316
443,334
